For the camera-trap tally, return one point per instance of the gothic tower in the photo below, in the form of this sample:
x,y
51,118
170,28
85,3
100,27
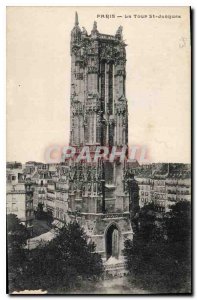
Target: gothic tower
x,y
98,105
98,195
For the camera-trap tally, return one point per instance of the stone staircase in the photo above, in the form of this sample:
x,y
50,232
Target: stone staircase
x,y
114,267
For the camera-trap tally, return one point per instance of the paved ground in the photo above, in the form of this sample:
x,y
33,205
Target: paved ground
x,y
115,286
42,232
119,286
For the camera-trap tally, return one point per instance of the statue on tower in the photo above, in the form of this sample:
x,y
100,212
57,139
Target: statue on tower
x,y
119,33
94,31
84,31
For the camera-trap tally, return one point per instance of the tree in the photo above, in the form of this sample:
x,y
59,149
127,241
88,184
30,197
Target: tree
x,y
64,263
178,229
158,258
17,235
178,223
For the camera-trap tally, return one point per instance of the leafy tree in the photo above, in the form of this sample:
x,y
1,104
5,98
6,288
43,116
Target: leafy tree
x,y
64,263
158,258
17,235
178,229
178,223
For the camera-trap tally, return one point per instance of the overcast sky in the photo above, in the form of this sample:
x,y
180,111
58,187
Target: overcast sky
x,y
157,84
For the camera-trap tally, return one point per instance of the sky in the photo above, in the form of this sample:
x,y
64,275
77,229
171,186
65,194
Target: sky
x,y
157,84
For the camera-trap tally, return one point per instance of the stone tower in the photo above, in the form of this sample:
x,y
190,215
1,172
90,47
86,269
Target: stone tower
x,y
98,104
99,194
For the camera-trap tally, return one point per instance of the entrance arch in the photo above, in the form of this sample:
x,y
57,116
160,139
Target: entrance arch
x,y
112,241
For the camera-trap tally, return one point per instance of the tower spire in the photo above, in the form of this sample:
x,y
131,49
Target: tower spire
x,y
76,19
95,26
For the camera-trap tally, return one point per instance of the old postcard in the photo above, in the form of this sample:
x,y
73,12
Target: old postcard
x,y
98,150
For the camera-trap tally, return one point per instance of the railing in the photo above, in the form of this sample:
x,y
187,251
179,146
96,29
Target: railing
x,y
183,193
62,189
115,266
116,215
171,184
172,199
16,192
51,191
50,198
172,192
61,199
143,183
107,36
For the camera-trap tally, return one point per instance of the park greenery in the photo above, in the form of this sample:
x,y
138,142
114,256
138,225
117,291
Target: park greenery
x,y
159,257
66,263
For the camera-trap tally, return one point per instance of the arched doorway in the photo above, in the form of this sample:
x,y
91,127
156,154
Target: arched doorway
x,y
112,241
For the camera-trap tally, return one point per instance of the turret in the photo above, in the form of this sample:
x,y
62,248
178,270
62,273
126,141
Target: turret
x,y
84,32
76,31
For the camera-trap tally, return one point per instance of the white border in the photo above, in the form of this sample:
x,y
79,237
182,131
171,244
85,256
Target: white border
x,y
3,5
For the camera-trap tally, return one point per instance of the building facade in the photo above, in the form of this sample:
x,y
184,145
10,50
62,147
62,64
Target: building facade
x,y
19,197
163,184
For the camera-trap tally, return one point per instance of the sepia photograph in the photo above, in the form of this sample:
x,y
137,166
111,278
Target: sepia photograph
x,y
98,150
